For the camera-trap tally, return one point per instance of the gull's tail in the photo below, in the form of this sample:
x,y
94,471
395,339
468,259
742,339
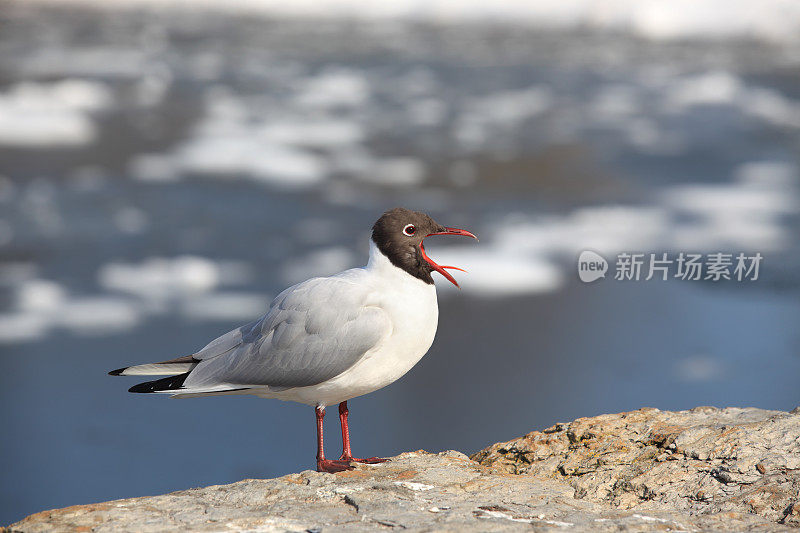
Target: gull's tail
x,y
173,367
177,370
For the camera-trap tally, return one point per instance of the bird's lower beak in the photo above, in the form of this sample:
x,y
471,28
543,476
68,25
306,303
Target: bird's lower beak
x,y
441,268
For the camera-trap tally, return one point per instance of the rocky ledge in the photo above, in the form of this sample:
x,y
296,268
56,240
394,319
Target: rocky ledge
x,y
703,469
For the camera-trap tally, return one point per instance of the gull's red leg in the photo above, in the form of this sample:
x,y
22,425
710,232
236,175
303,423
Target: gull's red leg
x,y
326,465
346,453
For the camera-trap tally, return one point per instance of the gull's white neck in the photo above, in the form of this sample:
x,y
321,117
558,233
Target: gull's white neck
x,y
380,265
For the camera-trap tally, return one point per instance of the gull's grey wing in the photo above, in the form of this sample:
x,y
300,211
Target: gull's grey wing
x,y
313,331
181,365
225,343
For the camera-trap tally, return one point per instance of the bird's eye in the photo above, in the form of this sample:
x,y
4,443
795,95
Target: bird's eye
x,y
409,230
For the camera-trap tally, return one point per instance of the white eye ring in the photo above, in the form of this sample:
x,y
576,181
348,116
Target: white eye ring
x,y
409,230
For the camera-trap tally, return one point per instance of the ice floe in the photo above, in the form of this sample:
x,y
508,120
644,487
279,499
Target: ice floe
x,y
51,114
190,287
159,278
224,306
322,262
525,253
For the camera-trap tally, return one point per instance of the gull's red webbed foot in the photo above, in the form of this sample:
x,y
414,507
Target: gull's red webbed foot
x,y
332,466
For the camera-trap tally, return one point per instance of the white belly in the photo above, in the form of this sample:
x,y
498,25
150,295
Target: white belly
x,y
414,312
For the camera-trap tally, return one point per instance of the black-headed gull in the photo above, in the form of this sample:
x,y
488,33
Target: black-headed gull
x,y
326,340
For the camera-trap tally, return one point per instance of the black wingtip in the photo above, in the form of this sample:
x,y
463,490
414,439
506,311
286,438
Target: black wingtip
x,y
118,372
143,387
165,384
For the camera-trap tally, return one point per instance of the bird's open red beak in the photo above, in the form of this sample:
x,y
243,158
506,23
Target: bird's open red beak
x,y
441,268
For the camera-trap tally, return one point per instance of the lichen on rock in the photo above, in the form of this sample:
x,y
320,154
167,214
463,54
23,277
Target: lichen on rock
x,y
701,461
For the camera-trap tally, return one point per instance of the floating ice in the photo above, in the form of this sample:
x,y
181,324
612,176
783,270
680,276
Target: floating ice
x,y
40,114
522,254
40,295
22,327
224,306
43,305
98,315
319,133
159,278
725,88
155,286
243,155
499,273
229,142
339,87
319,263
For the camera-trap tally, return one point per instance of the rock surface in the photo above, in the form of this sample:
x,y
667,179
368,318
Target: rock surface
x,y
704,469
704,461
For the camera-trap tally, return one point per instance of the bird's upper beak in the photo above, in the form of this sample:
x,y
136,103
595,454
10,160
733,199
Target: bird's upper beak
x,y
441,268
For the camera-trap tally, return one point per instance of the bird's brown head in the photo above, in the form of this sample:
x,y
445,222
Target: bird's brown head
x,y
399,233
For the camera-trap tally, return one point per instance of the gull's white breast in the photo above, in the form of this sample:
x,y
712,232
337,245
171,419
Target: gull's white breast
x,y
413,311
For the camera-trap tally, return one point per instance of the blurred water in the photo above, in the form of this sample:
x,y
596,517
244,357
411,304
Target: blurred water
x,y
162,176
